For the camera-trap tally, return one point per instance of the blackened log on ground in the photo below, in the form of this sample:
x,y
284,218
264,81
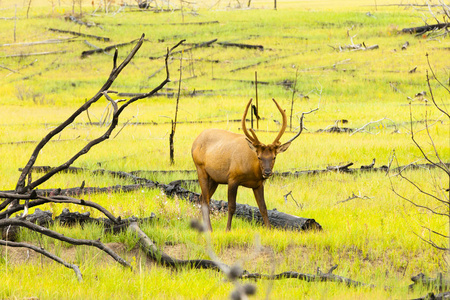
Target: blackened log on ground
x,y
243,46
423,29
159,256
247,212
106,49
319,277
250,213
195,46
78,21
439,283
432,296
336,129
71,218
139,173
162,258
100,38
67,218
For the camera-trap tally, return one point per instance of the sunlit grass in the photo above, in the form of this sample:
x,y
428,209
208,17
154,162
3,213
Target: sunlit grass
x,y
373,239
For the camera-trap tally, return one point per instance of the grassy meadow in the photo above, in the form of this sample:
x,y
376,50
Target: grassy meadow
x,y
373,239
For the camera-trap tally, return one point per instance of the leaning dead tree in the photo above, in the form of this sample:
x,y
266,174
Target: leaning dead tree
x,y
26,187
439,194
439,27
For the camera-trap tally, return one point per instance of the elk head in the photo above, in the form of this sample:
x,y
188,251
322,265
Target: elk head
x,y
267,153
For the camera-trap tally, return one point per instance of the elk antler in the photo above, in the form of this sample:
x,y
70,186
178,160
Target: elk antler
x,y
283,127
253,138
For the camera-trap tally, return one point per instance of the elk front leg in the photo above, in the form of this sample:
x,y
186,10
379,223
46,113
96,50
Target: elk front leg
x,y
232,192
259,196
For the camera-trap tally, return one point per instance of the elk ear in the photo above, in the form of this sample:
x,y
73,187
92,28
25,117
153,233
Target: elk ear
x,y
283,147
250,144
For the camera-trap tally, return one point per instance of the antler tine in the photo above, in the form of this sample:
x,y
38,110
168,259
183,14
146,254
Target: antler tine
x,y
283,127
254,136
299,132
244,128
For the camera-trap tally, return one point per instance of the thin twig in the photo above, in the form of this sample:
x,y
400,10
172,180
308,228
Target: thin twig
x,y
42,251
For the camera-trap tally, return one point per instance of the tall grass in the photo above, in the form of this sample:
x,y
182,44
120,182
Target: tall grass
x,y
372,238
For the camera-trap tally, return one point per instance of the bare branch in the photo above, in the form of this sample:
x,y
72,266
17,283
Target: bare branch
x,y
42,251
432,243
58,236
443,167
417,205
371,122
20,187
436,233
431,90
53,199
301,124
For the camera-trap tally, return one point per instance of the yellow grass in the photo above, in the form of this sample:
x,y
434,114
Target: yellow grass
x,y
373,239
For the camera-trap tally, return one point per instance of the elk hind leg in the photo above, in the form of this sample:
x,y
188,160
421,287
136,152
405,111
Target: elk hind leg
x,y
208,187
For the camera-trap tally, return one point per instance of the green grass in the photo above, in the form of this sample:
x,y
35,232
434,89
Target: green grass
x,y
372,239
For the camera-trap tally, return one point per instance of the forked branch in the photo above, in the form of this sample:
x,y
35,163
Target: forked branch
x,y
21,188
58,236
42,251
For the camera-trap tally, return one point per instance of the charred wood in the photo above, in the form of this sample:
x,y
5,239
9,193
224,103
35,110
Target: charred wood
x,y
51,41
34,54
162,258
343,168
68,218
247,212
319,277
336,129
78,21
100,38
242,46
423,29
106,49
195,46
439,283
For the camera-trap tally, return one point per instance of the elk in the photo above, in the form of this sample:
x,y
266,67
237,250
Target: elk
x,y
224,157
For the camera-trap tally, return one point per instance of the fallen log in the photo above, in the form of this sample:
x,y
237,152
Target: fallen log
x,y
363,168
234,272
319,277
34,54
336,129
249,213
440,282
195,46
51,41
423,29
242,46
162,258
106,49
100,38
78,21
175,24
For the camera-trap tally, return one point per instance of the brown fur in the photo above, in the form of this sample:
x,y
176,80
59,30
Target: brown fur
x,y
224,157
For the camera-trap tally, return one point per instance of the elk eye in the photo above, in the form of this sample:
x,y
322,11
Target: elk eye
x,y
259,158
